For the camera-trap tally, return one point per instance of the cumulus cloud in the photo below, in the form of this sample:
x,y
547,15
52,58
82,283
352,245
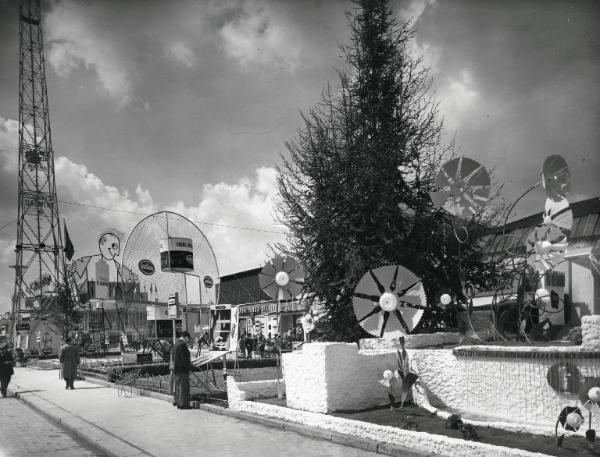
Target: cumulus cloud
x,y
181,53
458,97
89,189
75,42
7,251
224,212
247,203
258,36
9,144
413,9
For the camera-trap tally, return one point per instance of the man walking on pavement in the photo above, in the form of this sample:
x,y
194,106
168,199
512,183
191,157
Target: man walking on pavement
x,y
6,366
182,365
68,355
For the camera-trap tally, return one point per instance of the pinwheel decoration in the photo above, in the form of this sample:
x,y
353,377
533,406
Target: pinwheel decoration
x,y
282,278
464,187
570,418
546,246
558,213
555,177
389,290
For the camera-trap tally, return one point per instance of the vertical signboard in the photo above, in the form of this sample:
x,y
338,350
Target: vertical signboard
x,y
102,280
234,334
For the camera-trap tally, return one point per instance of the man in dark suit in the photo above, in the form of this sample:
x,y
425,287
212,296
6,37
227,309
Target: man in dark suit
x,y
6,366
181,370
68,355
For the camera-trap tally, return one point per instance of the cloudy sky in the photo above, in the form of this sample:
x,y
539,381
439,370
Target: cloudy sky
x,y
186,105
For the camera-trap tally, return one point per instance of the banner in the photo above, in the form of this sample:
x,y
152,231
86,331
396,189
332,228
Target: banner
x,y
176,255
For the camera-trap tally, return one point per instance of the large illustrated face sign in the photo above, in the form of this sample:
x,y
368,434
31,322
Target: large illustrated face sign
x,y
109,245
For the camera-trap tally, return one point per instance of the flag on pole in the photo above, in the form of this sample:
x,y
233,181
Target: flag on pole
x,y
69,249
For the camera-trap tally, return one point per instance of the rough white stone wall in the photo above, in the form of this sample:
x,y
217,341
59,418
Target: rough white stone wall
x,y
440,377
590,331
326,377
240,391
433,444
308,389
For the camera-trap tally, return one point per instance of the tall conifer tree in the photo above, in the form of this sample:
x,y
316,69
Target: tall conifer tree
x,y
354,185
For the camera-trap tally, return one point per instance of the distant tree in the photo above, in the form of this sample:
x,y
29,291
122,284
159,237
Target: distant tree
x,y
63,314
354,186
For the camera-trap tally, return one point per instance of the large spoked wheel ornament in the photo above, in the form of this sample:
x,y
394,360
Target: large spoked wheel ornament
x,y
389,301
556,177
282,278
463,187
546,246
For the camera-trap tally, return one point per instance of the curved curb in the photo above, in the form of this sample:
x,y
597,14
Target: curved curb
x,y
305,430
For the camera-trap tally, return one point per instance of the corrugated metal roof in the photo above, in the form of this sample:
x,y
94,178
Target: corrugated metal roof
x,y
585,230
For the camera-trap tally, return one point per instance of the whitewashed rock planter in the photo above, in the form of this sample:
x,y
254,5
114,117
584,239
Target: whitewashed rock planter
x,y
590,332
433,444
497,386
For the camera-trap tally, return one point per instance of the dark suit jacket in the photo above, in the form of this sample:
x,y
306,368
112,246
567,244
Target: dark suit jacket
x,y
6,363
181,357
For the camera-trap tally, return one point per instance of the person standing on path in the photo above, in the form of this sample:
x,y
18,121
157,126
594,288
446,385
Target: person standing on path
x,y
182,365
68,355
7,362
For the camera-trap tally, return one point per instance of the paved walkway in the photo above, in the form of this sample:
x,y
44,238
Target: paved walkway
x,y
139,426
24,433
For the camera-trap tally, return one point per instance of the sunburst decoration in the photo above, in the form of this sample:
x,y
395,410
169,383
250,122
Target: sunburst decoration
x,y
282,278
464,187
546,246
391,290
558,213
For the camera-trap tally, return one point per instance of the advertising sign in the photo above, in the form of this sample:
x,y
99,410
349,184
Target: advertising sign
x,y
102,280
234,335
173,307
156,313
176,255
220,329
146,267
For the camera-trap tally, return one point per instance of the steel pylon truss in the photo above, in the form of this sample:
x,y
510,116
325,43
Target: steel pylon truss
x,y
39,255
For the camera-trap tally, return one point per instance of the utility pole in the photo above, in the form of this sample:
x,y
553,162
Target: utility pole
x,y
39,251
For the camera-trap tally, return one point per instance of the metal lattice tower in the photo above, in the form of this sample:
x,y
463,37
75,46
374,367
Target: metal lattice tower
x,y
40,261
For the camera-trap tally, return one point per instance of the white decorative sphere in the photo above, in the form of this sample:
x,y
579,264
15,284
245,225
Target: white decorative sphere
x,y
445,299
594,394
575,420
543,295
387,375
